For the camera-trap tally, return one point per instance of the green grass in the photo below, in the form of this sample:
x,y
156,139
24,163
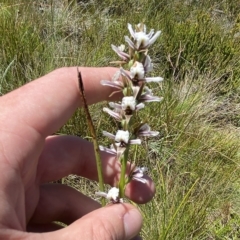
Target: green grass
x,y
195,161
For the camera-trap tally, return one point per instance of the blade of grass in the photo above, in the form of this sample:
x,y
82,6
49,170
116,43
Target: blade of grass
x,y
179,208
94,137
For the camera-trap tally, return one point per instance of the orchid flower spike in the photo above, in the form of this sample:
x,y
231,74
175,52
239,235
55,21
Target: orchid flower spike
x,y
131,82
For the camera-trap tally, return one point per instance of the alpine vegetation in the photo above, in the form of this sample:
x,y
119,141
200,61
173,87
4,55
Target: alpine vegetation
x,y
131,80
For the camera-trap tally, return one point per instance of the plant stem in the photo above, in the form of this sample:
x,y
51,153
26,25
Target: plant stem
x,y
94,137
122,182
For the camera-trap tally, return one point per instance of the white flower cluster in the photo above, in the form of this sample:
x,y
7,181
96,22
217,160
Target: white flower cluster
x,y
132,82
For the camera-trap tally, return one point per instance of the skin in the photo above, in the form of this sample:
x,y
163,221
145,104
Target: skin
x,y
30,158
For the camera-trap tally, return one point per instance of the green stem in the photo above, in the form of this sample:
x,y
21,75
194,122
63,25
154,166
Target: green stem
x,y
122,182
122,179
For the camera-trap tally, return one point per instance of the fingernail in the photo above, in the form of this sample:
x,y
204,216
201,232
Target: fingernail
x,y
132,223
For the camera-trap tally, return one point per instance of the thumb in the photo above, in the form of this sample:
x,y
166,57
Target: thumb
x,y
113,222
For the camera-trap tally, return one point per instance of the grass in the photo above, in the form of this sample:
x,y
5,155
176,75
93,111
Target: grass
x,y
195,161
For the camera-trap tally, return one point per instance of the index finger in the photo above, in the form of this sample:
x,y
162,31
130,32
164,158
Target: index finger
x,y
47,103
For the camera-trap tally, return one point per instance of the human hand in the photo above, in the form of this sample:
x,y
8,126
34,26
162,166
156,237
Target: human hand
x,y
30,158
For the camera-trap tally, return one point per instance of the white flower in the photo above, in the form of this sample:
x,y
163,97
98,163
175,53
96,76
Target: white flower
x,y
129,105
137,71
121,140
112,195
122,136
137,75
124,109
142,40
129,102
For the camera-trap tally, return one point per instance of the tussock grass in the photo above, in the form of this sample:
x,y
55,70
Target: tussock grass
x,y
195,161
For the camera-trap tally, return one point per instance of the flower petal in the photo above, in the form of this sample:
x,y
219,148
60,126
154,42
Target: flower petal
x,y
101,194
109,135
108,150
154,38
150,34
142,180
135,141
113,114
150,98
129,41
148,134
153,79
115,105
124,56
140,106
130,28
115,84
148,66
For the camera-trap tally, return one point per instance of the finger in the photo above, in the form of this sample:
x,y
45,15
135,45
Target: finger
x,y
140,192
64,155
61,203
117,222
38,109
47,103
41,228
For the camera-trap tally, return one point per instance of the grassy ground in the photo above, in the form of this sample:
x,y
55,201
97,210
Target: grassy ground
x,y
195,162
